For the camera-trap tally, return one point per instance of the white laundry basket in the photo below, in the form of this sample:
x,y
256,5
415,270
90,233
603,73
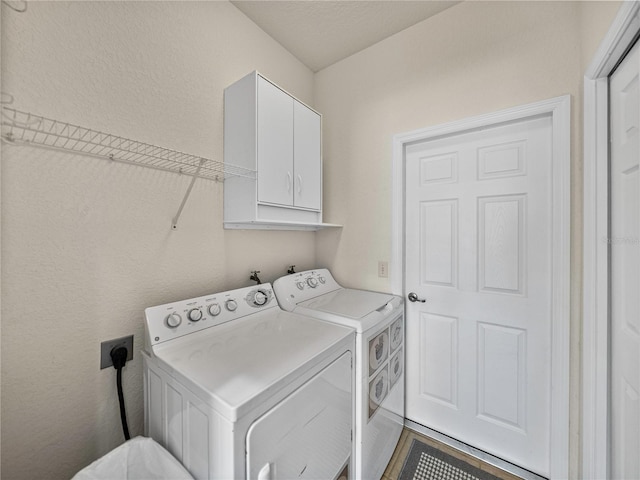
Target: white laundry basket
x,y
137,459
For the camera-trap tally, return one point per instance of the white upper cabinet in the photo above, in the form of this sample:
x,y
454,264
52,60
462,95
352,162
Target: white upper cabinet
x,y
272,133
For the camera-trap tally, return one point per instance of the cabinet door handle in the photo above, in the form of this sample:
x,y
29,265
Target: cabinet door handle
x,y
289,179
299,183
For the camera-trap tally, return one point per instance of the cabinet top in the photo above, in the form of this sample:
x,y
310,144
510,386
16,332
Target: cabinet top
x,y
253,76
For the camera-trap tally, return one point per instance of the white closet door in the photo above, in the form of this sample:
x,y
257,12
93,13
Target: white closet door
x,y
625,268
275,145
306,154
478,251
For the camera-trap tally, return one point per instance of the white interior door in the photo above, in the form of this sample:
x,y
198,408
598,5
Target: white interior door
x,y
625,268
478,251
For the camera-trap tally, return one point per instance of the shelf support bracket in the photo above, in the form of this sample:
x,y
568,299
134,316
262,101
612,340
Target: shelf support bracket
x,y
174,223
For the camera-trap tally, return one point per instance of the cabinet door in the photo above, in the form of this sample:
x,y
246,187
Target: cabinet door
x,y
275,144
307,161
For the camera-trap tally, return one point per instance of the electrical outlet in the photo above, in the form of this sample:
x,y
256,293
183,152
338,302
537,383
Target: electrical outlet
x,y
383,269
106,347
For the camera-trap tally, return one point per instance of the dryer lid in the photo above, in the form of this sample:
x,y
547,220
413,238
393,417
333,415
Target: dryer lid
x,y
347,302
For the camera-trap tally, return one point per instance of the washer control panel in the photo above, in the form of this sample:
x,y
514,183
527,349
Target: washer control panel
x,y
173,320
298,287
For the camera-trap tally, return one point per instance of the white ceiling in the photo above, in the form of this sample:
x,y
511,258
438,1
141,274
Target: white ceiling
x,y
322,32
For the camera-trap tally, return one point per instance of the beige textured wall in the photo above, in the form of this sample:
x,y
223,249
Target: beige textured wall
x,y
595,20
87,245
475,58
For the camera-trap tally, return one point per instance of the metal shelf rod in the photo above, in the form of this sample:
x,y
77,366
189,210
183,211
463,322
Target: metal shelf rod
x,y
174,224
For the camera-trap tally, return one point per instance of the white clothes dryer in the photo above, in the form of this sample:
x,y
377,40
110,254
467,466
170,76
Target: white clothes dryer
x,y
236,388
378,319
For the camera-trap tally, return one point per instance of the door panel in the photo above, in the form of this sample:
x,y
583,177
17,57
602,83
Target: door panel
x,y
624,243
438,246
439,359
501,244
478,249
502,375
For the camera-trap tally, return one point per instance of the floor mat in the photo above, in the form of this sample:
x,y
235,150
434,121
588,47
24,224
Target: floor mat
x,y
427,463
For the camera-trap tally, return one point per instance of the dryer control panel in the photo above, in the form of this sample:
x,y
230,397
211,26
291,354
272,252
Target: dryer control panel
x,y
173,320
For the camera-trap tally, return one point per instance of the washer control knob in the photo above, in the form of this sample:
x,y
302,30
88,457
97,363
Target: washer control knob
x,y
195,314
231,305
173,320
322,280
312,282
214,309
260,298
300,285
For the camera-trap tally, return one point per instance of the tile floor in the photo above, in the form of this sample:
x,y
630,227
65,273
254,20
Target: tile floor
x,y
397,461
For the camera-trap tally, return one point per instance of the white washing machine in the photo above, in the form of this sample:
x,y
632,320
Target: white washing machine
x,y
378,319
236,388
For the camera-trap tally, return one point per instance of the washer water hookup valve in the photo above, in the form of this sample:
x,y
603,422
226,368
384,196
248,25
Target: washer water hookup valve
x,y
254,276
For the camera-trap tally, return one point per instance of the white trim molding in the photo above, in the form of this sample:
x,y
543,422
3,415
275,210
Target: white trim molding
x,y
595,327
559,109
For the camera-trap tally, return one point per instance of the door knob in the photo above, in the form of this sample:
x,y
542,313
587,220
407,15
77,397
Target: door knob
x,y
414,298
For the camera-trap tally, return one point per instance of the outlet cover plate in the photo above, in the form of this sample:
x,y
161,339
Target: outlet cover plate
x,y
106,347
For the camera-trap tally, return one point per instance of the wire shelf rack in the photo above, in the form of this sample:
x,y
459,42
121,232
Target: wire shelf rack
x,y
28,129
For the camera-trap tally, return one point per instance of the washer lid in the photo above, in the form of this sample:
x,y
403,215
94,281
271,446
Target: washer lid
x,y
347,302
238,365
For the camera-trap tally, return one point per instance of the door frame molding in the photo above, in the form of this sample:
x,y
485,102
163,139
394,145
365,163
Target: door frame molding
x,y
596,335
559,109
